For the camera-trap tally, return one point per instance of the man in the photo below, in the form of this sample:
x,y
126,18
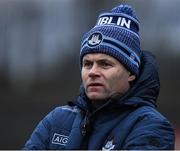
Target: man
x,y
116,108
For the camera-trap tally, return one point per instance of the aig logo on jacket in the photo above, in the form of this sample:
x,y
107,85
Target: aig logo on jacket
x,y
60,139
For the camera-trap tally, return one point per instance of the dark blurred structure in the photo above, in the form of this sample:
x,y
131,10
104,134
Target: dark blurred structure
x,y
39,50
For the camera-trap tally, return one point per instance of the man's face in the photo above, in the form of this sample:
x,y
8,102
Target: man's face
x,y
103,76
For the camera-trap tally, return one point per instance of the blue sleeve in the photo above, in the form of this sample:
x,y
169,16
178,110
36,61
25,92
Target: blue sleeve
x,y
40,137
151,133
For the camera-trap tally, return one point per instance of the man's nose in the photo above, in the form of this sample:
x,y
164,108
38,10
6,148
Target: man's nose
x,y
94,71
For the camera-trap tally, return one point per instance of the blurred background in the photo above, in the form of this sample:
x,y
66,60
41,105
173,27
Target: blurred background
x,y
39,50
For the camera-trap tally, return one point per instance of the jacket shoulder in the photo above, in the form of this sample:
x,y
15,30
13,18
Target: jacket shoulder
x,y
58,120
61,114
150,130
150,113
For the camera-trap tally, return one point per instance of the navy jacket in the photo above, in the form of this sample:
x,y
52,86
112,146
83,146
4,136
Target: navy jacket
x,y
129,122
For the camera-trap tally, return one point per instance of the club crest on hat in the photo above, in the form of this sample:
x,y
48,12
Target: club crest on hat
x,y
95,39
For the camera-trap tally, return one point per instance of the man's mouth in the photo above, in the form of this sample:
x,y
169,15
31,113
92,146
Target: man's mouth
x,y
95,85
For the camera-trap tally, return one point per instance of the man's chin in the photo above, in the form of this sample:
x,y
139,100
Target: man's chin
x,y
97,101
95,97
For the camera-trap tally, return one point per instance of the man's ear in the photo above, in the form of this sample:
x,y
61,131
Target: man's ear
x,y
131,78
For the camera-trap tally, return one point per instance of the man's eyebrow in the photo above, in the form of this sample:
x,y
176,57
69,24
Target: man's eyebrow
x,y
86,59
104,59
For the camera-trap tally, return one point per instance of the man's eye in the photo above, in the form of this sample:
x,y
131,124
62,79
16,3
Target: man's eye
x,y
105,65
87,64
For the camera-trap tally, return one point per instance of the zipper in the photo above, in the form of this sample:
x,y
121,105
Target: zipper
x,y
85,124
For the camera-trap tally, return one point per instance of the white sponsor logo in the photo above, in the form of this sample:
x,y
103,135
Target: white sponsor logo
x,y
60,139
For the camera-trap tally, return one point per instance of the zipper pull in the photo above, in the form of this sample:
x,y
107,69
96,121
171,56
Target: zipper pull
x,y
85,124
83,131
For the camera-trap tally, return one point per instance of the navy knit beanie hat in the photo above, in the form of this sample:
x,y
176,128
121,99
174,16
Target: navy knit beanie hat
x,y
116,33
